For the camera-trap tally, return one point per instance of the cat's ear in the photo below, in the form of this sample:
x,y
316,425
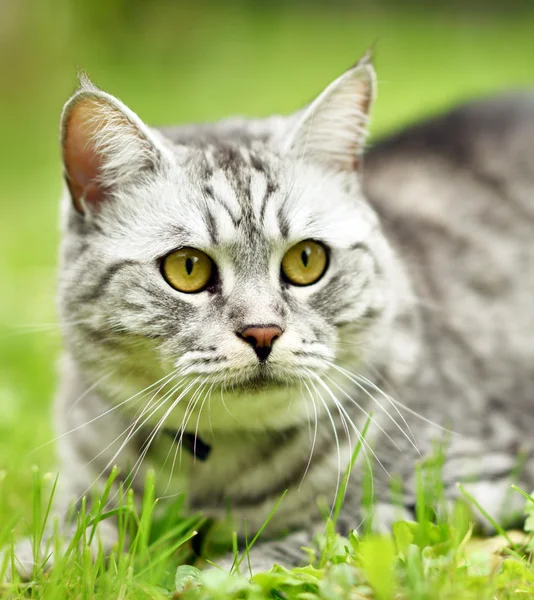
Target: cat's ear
x,y
333,129
104,145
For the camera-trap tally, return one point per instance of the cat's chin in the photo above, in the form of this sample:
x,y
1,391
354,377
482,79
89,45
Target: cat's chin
x,y
262,378
261,381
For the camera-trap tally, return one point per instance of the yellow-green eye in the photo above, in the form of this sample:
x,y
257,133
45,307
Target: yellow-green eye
x,y
305,263
187,270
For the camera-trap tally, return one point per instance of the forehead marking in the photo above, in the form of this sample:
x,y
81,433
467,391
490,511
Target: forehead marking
x,y
211,223
222,192
217,202
283,222
258,193
245,155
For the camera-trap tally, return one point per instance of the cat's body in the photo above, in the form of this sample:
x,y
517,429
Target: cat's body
x,y
428,292
455,197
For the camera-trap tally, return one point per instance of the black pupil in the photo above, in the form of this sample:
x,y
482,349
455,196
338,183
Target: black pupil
x,y
305,256
189,263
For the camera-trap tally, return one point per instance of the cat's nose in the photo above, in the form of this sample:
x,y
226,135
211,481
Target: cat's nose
x,y
261,338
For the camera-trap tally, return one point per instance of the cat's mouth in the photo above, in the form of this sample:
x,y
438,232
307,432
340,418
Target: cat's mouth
x,y
253,377
261,379
257,378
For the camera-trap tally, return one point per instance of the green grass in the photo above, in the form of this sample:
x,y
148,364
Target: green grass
x,y
176,62
424,559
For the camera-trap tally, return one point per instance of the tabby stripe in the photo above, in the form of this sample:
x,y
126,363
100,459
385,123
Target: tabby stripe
x,y
208,190
212,227
283,223
101,286
360,246
322,451
271,188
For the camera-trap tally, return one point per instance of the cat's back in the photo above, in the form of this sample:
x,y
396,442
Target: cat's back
x,y
488,143
456,197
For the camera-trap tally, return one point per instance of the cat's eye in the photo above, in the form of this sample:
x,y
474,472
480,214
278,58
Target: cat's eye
x,y
305,263
188,270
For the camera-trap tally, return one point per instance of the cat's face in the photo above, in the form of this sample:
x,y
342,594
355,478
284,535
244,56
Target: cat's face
x,y
244,268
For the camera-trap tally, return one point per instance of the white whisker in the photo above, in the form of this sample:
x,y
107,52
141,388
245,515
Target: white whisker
x,y
131,430
368,415
314,433
179,435
356,430
352,378
338,481
364,444
156,429
107,412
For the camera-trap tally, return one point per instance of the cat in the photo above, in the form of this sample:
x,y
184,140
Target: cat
x,y
239,299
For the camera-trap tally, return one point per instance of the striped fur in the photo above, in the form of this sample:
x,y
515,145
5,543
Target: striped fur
x,y
421,286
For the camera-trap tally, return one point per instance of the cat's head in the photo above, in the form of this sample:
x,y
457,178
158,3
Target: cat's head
x,y
241,256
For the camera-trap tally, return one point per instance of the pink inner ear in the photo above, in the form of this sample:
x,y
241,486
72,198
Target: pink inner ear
x,y
82,161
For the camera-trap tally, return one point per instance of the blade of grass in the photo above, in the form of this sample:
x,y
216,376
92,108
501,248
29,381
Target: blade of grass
x,y
235,552
139,547
255,538
498,528
523,493
103,501
246,544
180,529
343,488
163,555
37,514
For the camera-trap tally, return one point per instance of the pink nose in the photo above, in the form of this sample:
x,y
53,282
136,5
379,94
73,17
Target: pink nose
x,y
261,338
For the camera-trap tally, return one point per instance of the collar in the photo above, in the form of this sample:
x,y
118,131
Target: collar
x,y
192,443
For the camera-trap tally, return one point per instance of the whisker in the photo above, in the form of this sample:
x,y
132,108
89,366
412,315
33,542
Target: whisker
x,y
364,444
368,415
228,410
356,430
107,412
90,389
131,430
425,419
135,427
190,409
390,400
314,435
420,416
209,410
178,436
148,443
319,396
198,420
351,377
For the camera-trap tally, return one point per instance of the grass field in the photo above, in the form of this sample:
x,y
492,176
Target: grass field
x,y
170,64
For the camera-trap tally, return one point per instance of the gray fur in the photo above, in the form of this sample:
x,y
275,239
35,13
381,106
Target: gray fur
x,y
429,294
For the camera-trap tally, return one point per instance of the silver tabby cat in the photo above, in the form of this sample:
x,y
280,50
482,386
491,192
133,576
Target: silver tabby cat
x,y
236,301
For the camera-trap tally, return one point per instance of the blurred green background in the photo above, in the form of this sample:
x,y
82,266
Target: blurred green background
x,y
174,62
